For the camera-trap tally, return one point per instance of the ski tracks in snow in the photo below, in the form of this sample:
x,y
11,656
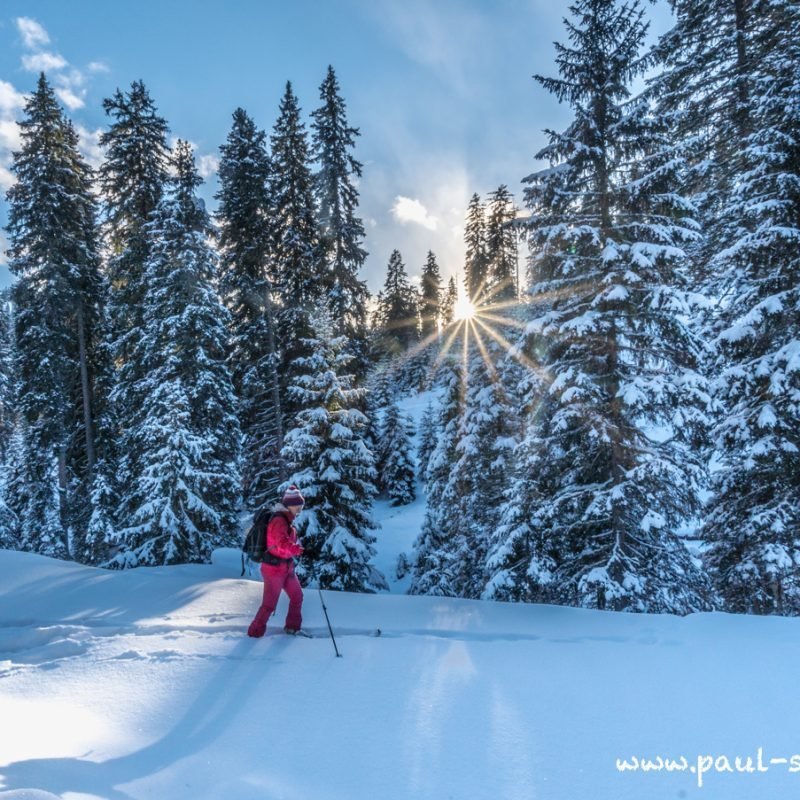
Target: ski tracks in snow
x,y
28,644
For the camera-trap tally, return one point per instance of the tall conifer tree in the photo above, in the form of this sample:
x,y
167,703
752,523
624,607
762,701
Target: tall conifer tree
x,y
449,301
58,298
333,466
430,298
395,461
341,231
187,433
704,90
501,247
753,519
397,308
296,255
611,227
434,546
476,263
246,286
132,180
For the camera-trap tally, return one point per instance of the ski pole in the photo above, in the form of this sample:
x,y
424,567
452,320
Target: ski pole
x,y
333,639
325,611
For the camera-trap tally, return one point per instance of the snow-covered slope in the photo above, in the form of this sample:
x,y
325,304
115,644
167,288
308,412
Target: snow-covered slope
x,y
400,525
143,685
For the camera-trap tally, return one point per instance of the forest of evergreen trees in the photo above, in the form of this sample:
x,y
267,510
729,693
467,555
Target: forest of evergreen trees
x,y
619,425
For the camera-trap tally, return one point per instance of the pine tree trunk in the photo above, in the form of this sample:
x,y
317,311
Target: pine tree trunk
x,y
62,495
85,389
617,455
276,389
741,64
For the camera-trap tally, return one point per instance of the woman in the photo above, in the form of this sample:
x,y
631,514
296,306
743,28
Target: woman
x,y
277,568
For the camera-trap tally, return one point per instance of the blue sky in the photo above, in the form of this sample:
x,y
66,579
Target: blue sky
x,y
442,90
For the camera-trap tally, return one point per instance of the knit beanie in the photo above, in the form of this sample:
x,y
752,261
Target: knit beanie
x,y
292,497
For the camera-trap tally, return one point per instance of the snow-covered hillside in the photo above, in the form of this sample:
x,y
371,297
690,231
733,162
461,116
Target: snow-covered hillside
x,y
143,684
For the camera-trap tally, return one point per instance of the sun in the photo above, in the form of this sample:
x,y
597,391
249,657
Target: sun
x,y
463,310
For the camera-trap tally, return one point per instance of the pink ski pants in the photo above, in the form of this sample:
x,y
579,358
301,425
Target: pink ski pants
x,y
277,577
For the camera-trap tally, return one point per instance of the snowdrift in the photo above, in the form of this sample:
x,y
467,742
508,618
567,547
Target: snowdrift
x,y
143,684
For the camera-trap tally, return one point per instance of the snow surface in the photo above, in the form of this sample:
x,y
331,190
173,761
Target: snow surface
x,y
143,684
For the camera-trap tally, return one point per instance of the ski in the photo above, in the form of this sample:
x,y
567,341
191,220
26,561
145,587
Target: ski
x,y
316,633
374,632
300,632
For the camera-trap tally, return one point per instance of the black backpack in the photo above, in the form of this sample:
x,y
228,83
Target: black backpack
x,y
255,540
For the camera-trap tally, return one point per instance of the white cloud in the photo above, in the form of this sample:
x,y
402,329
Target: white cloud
x,y
207,165
32,32
11,103
69,98
71,88
68,81
7,179
10,138
406,209
3,248
10,99
69,84
89,144
43,62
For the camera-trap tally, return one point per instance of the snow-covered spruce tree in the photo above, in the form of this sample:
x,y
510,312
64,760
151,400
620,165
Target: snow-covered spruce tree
x,y
58,308
17,483
449,301
414,367
704,90
380,386
333,467
341,231
296,255
396,315
428,436
9,523
476,267
501,247
753,519
12,455
132,180
395,461
377,395
245,286
521,561
433,547
185,500
430,299
485,441
101,527
620,469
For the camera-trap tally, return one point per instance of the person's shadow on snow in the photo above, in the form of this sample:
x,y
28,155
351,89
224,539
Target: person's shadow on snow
x,y
224,696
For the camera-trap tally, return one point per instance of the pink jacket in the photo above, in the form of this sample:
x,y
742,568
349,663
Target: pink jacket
x,y
281,534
